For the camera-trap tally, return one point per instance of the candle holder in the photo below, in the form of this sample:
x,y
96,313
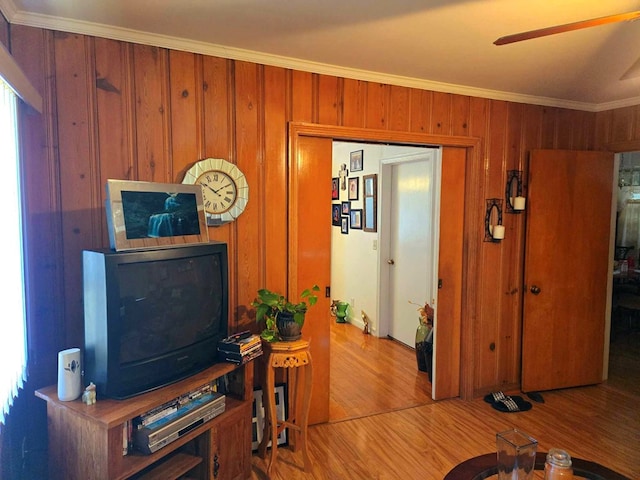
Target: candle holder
x,y
515,202
493,232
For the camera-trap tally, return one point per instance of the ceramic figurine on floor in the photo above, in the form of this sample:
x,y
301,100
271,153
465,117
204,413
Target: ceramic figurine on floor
x,y
365,320
424,337
333,308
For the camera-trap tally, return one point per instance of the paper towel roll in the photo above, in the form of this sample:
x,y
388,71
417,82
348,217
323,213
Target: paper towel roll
x,y
69,374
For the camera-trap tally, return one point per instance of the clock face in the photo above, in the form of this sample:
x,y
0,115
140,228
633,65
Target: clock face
x,y
224,189
218,190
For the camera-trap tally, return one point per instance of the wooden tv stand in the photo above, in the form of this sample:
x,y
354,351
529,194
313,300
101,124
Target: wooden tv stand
x,y
86,441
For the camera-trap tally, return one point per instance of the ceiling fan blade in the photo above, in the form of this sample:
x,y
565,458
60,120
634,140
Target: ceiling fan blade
x,y
542,32
633,72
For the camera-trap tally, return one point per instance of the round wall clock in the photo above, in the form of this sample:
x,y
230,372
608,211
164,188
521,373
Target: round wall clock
x,y
225,190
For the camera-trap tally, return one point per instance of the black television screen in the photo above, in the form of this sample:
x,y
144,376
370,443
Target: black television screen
x,y
167,305
153,317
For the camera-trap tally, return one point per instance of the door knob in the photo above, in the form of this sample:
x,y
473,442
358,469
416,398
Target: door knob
x,y
391,262
535,289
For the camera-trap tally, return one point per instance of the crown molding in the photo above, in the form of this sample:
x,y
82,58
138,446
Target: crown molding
x,y
8,9
627,102
175,43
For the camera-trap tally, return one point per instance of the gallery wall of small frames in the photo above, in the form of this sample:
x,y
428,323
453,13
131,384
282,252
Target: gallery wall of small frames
x,y
351,209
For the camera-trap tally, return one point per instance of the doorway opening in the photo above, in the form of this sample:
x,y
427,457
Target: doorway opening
x,y
309,252
623,370
362,276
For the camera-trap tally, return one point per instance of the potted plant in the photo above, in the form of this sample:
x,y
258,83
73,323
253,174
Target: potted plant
x,y
283,318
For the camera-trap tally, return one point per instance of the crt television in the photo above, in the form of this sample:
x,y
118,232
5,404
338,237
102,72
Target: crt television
x,y
153,317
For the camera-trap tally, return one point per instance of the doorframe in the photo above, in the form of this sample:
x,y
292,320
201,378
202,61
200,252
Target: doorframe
x,y
617,148
386,166
472,223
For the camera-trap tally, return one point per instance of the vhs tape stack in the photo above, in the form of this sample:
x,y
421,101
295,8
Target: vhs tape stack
x,y
162,425
240,348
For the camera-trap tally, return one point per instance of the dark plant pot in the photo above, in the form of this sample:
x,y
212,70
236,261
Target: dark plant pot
x,y
421,345
287,327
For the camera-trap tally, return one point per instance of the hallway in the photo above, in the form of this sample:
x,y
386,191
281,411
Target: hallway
x,y
371,375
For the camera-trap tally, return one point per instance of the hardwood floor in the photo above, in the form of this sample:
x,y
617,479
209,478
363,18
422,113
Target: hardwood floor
x,y
624,363
368,372
415,438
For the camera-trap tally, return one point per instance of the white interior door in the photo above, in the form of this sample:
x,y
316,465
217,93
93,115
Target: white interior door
x,y
412,244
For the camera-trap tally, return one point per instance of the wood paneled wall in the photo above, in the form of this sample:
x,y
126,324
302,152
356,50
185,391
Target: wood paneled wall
x,y
121,110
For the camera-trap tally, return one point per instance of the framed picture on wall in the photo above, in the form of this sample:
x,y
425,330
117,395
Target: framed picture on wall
x,y
356,161
335,214
257,422
356,218
354,185
335,188
370,197
346,206
345,226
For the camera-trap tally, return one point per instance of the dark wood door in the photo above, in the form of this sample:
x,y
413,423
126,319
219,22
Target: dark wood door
x,y
566,268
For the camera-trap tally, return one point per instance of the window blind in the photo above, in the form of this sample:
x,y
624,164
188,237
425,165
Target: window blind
x,y
13,341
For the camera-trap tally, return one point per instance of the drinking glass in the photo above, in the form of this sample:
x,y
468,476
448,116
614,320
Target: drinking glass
x,y
516,455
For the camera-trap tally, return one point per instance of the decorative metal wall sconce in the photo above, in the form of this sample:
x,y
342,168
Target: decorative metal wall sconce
x,y
515,202
493,228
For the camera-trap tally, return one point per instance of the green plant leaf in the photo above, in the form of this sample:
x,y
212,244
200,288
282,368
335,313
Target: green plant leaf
x,y
268,304
298,317
268,335
261,311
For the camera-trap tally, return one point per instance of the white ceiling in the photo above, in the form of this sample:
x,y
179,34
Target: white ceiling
x,y
442,45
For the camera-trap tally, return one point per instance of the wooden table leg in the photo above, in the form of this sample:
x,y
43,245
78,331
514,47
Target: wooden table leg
x,y
292,377
304,417
270,431
296,359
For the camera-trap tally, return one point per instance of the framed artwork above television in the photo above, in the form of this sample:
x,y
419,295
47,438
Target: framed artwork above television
x,y
154,215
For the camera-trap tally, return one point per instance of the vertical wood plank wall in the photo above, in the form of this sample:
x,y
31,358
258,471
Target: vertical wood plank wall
x,y
128,111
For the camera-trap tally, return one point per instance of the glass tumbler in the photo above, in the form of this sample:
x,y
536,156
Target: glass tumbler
x,y
516,455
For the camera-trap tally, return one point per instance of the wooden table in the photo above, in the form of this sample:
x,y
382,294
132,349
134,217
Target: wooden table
x,y
295,357
485,466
